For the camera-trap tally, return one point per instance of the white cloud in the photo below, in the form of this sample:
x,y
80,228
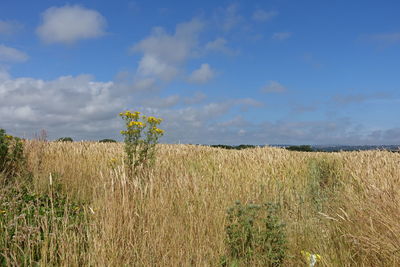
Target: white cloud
x,y
231,18
145,84
202,74
10,54
280,36
4,75
150,65
197,98
219,45
158,102
85,109
69,24
248,102
273,87
9,27
261,15
75,106
163,53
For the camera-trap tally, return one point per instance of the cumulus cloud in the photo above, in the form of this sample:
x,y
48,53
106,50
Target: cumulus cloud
x,y
9,27
273,87
80,107
10,54
261,15
280,36
202,74
69,105
69,24
164,54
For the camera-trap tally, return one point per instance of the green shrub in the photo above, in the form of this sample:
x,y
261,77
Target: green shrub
x,y
11,155
107,141
65,139
255,235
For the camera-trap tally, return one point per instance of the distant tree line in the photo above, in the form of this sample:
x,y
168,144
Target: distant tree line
x,y
69,139
65,139
107,141
239,147
303,148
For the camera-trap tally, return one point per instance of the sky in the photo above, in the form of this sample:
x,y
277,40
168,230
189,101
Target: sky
x,y
217,72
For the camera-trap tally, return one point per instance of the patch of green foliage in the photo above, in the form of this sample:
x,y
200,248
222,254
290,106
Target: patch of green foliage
x,y
255,235
239,147
324,181
107,141
65,139
303,148
30,223
11,155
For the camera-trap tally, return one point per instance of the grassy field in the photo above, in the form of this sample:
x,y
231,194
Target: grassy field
x,y
76,205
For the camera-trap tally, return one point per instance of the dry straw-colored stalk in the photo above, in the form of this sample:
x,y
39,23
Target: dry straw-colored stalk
x,y
343,206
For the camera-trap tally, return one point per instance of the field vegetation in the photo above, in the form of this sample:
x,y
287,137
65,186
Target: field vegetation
x,y
76,204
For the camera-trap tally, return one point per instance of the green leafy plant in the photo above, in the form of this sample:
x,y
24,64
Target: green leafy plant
x,y
29,221
11,155
255,235
140,137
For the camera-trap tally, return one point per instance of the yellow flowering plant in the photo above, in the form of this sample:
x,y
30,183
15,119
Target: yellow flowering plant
x,y
311,258
140,136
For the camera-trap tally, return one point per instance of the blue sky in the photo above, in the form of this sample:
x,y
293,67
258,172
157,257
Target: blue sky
x,y
251,72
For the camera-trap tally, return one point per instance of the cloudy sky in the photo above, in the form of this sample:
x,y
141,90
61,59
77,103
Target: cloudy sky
x,y
218,72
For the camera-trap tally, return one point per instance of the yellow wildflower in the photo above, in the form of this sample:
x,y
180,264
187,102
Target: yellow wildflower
x,y
153,120
113,161
157,130
311,259
136,123
9,136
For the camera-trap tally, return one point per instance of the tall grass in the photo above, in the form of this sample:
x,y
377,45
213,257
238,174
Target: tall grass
x,y
343,206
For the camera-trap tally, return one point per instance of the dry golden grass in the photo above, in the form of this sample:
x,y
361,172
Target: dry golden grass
x,y
343,206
